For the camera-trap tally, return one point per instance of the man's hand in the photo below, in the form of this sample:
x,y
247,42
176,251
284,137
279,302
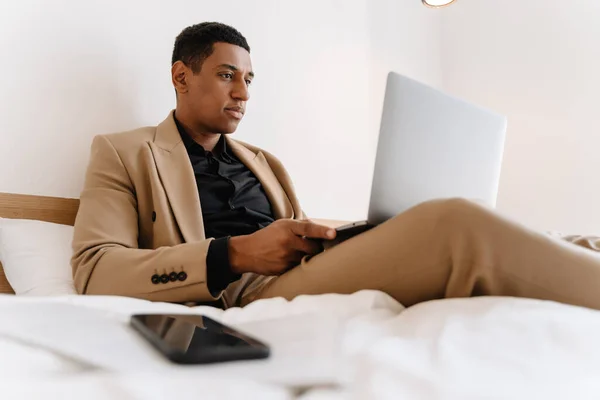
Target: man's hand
x,y
278,247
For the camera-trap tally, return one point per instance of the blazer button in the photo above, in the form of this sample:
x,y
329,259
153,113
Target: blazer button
x,y
155,279
164,278
173,276
182,276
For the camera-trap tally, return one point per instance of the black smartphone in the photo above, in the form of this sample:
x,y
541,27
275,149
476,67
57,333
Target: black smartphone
x,y
355,228
196,339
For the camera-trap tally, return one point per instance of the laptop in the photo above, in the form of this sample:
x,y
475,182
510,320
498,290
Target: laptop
x,y
431,145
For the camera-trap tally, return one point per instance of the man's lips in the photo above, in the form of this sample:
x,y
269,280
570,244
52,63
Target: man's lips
x,y
235,112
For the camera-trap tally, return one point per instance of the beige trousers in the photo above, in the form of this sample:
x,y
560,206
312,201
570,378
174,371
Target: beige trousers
x,y
444,249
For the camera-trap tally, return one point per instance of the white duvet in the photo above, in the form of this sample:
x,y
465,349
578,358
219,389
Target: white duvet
x,y
363,346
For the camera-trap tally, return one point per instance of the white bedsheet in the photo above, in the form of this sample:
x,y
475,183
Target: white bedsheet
x,y
362,346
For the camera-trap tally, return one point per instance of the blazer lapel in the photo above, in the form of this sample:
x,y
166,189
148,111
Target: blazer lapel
x,y
257,163
178,179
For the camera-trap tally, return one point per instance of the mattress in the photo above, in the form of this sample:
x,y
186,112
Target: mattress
x,y
364,346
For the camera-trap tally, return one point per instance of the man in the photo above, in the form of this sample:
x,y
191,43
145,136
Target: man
x,y
181,212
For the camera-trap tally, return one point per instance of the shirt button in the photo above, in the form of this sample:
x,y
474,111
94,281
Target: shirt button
x,y
164,278
182,276
173,276
155,279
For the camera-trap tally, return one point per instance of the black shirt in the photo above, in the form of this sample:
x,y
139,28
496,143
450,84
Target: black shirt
x,y
233,203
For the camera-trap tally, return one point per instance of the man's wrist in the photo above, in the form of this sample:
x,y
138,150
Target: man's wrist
x,y
218,269
237,257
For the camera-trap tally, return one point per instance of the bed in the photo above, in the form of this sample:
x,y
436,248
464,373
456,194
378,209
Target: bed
x,y
43,208
360,346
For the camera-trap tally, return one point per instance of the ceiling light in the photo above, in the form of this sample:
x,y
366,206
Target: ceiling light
x,y
437,3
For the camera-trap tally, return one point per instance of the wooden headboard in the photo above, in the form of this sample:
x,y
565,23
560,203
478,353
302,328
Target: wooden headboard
x,y
50,209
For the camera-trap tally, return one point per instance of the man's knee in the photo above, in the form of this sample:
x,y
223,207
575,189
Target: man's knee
x,y
453,212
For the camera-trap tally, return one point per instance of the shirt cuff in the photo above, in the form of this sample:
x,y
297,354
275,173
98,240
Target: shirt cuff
x,y
218,270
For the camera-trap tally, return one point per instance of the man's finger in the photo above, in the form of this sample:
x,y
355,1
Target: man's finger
x,y
312,230
306,246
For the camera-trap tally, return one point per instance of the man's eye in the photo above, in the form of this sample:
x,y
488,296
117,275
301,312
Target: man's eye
x,y
248,82
227,76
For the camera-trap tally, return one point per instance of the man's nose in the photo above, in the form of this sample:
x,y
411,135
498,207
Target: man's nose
x,y
241,92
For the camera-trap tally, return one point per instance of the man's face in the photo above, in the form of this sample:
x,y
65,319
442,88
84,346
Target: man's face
x,y
216,96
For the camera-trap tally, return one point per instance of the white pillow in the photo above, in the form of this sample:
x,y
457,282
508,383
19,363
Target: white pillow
x,y
36,257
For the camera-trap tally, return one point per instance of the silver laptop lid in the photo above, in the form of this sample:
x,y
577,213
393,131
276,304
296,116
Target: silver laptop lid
x,y
432,145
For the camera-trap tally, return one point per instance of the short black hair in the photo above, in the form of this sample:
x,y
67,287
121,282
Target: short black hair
x,y
195,43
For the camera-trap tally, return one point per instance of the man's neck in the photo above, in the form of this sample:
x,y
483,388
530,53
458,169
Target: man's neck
x,y
207,140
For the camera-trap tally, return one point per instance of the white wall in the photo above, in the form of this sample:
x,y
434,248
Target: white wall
x,y
72,69
404,37
537,61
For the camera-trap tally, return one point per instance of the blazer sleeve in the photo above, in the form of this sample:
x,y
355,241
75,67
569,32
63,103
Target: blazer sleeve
x,y
106,259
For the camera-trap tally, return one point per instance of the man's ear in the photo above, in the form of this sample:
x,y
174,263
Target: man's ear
x,y
179,74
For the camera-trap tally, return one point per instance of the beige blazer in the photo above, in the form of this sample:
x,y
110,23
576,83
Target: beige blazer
x,y
140,215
